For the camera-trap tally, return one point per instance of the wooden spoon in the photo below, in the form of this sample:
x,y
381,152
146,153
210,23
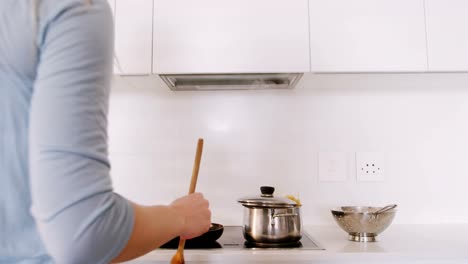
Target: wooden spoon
x,y
178,258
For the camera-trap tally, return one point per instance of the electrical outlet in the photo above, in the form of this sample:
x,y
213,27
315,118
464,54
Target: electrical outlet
x,y
370,166
333,166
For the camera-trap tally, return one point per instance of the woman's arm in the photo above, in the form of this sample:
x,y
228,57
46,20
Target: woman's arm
x,y
187,217
79,217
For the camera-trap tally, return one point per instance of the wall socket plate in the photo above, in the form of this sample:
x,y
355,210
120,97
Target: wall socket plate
x,y
370,166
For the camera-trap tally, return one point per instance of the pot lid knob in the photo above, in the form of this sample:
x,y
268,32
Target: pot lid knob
x,y
267,191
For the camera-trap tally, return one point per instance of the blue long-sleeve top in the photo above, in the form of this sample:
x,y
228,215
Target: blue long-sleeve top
x,y
57,204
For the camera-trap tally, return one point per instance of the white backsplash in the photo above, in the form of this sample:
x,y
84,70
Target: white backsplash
x,y
254,138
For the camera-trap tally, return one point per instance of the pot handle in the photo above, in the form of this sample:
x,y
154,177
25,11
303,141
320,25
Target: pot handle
x,y
283,215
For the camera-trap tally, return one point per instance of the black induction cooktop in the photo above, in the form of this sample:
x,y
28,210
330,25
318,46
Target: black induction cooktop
x,y
232,238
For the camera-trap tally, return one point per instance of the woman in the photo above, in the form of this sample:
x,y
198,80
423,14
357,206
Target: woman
x,y
56,199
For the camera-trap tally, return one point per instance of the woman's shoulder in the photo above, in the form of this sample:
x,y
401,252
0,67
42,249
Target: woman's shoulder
x,y
52,10
77,14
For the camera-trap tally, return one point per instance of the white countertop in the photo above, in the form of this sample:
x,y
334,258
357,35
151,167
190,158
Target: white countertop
x,y
421,244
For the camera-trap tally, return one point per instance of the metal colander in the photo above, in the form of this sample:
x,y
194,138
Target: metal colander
x,y
364,223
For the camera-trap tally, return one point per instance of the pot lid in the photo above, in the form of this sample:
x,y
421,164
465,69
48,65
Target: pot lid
x,y
266,199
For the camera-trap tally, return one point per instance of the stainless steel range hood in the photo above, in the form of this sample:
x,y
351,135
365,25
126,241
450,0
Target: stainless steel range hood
x,y
248,81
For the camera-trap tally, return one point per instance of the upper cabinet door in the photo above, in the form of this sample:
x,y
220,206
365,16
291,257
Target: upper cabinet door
x,y
226,36
133,36
447,34
367,36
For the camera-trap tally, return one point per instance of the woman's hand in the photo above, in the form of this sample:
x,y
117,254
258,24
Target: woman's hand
x,y
195,212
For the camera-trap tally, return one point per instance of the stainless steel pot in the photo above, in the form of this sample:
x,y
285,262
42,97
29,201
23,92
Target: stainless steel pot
x,y
271,220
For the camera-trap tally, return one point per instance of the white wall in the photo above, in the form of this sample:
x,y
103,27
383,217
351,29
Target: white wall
x,y
255,138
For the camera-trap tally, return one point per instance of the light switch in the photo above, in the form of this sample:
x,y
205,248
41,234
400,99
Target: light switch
x,y
333,166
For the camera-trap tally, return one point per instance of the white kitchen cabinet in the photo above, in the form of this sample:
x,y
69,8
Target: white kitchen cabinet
x,y
225,36
367,36
133,36
447,34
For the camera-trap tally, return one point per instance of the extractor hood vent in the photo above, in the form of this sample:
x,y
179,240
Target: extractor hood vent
x,y
201,82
